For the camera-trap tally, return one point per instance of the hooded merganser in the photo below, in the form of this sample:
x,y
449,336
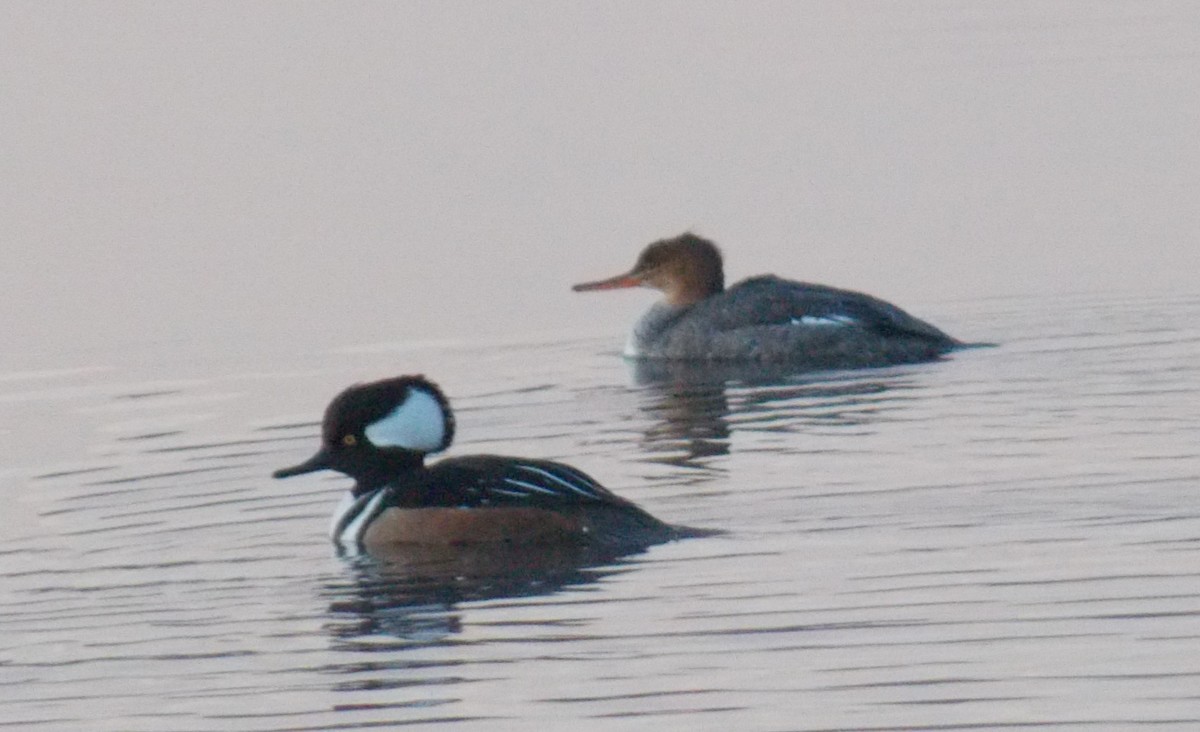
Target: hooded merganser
x,y
764,318
379,434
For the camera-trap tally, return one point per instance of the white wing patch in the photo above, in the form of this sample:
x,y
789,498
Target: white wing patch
x,y
825,320
418,424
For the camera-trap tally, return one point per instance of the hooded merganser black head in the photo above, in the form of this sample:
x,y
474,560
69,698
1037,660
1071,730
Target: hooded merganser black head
x,y
376,431
686,269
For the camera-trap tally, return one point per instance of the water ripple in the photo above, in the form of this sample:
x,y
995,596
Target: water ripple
x,y
995,541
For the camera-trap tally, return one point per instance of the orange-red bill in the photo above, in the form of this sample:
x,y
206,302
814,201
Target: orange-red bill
x,y
612,283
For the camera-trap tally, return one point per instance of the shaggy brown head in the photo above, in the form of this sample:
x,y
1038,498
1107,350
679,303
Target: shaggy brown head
x,y
685,269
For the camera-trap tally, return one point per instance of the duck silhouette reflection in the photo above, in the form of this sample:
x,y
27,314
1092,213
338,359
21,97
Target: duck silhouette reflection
x,y
696,406
413,592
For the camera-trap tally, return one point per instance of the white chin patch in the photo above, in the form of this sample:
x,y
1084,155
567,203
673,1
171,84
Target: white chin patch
x,y
631,347
418,424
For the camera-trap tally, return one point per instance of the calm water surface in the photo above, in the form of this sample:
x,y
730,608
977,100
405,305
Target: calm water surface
x,y
1009,539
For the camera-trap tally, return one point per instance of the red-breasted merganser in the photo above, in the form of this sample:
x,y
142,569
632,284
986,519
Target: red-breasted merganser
x,y
379,434
765,318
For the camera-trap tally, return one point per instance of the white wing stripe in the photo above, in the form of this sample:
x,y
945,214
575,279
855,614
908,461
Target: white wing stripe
x,y
583,478
514,494
583,490
531,487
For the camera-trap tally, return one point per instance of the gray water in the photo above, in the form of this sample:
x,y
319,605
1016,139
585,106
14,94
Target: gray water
x,y
216,215
1007,539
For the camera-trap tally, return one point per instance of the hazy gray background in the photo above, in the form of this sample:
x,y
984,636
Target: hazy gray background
x,y
289,174
216,215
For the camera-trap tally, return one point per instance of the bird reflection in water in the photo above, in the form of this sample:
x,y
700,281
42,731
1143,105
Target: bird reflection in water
x,y
412,593
696,406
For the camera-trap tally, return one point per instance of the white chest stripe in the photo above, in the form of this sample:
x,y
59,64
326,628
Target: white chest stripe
x,y
351,536
345,506
418,424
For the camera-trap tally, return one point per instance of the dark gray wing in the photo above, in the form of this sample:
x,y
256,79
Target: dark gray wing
x,y
492,480
769,300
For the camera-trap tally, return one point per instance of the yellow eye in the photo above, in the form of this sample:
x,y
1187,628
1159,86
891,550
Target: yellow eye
x,y
349,441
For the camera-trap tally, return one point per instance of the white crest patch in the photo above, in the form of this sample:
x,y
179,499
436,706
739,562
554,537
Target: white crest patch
x,y
418,424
